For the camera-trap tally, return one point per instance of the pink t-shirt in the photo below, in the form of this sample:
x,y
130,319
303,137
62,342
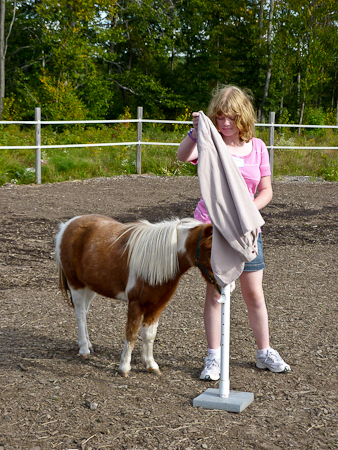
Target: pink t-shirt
x,y
252,167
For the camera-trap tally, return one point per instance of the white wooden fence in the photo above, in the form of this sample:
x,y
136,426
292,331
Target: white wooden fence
x,y
138,143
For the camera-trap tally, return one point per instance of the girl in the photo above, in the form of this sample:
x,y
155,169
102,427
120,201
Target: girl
x,y
232,113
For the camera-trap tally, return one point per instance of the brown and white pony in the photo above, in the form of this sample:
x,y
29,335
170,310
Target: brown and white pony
x,y
138,262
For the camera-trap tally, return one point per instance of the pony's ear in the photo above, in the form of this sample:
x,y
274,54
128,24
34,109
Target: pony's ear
x,y
207,232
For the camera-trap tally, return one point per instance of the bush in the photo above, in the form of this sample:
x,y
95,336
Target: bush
x,y
60,101
315,116
328,168
63,162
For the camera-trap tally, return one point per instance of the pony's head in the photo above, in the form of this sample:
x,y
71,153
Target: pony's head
x,y
203,255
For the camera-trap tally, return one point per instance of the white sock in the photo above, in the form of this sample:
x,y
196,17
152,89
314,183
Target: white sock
x,y
263,351
214,353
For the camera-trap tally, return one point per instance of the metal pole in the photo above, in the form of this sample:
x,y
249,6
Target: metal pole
x,y
139,139
224,384
38,144
271,139
223,398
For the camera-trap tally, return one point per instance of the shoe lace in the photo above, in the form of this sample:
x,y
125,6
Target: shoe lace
x,y
273,356
212,363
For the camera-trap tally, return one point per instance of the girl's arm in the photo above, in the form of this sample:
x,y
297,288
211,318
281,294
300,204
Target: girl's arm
x,y
187,150
264,193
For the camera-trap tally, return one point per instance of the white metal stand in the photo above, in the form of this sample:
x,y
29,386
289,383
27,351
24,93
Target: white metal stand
x,y
223,398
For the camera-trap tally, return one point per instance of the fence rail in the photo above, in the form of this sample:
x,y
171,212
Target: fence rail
x,y
138,143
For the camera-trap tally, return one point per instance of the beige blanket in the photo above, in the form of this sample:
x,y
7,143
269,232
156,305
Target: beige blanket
x,y
234,216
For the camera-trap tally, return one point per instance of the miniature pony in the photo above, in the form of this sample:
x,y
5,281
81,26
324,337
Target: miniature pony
x,y
138,262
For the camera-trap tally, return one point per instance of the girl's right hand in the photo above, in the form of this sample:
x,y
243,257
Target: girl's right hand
x,y
195,119
187,150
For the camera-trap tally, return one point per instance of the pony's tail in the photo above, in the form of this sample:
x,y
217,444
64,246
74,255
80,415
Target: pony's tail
x,y
63,286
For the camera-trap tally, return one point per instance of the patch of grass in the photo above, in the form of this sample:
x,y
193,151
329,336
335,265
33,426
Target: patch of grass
x,y
314,163
62,164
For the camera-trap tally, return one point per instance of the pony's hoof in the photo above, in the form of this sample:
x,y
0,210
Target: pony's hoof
x,y
123,374
155,371
84,357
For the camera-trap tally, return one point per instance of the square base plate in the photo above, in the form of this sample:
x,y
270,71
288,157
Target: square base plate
x,y
236,402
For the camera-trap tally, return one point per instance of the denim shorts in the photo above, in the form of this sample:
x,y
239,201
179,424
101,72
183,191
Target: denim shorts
x,y
257,263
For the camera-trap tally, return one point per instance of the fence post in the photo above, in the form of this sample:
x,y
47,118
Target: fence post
x,y
271,139
139,139
38,144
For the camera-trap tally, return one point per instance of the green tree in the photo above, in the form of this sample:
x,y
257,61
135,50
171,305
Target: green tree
x,y
3,48
146,53
311,47
73,32
168,56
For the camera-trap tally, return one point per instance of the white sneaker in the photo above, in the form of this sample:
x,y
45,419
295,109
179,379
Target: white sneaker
x,y
212,369
273,361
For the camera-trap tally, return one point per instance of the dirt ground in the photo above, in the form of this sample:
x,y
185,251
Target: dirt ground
x,y
50,399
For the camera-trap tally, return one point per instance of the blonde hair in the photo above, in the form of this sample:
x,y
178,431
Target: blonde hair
x,y
233,101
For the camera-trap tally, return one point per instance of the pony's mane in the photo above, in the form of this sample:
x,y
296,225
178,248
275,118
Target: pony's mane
x,y
152,253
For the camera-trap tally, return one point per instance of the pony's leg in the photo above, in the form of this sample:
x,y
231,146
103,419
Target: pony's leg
x,y
88,300
133,324
81,300
148,334
149,328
